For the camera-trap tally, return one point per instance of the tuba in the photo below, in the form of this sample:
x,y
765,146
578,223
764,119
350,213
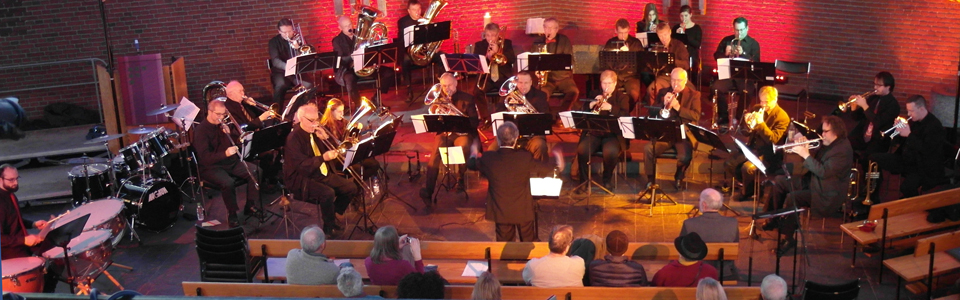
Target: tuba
x,y
514,101
440,103
369,33
422,54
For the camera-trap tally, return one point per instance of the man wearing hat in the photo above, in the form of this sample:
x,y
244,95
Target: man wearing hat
x,y
616,269
689,269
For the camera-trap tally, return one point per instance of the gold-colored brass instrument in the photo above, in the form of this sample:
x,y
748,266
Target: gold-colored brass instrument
x,y
498,58
440,103
422,54
369,33
754,118
542,75
897,124
341,147
734,47
304,49
853,190
871,178
514,101
813,144
274,109
354,126
845,106
597,107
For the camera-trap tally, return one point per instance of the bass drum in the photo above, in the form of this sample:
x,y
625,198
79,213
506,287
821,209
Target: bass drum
x,y
155,204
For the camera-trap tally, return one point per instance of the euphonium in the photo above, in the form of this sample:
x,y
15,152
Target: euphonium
x,y
440,103
845,106
274,109
897,124
871,178
514,101
422,54
369,33
814,144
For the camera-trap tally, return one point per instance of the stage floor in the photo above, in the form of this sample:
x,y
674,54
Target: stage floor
x,y
167,258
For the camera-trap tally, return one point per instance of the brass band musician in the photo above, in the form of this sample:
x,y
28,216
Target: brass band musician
x,y
873,114
343,45
651,18
414,13
768,125
919,161
283,46
741,46
682,101
557,43
609,101
624,42
537,144
335,123
240,108
500,56
463,102
681,58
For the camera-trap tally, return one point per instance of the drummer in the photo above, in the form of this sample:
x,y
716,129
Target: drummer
x,y
16,242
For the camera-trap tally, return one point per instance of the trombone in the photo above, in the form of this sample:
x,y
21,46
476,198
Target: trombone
x,y
813,144
274,109
341,148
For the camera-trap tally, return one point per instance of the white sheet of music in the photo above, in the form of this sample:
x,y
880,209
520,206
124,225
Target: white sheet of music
x,y
187,111
496,119
419,125
723,68
523,59
750,156
291,68
566,117
408,36
642,36
474,268
626,127
358,58
452,155
547,186
534,26
484,64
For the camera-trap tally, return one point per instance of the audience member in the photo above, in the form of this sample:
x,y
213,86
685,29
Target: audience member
x,y
386,266
556,269
709,289
585,249
714,228
487,287
615,269
429,285
773,288
689,269
308,265
350,283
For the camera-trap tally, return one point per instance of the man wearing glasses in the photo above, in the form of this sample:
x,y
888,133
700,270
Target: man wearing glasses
x,y
873,114
13,228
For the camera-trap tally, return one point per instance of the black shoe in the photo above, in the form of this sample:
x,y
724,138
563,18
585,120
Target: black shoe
x,y
251,211
461,185
678,185
770,226
233,221
786,247
936,216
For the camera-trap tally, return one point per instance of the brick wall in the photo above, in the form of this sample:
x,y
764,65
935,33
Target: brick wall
x,y
848,41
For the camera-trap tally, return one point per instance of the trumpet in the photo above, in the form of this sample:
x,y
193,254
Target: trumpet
x,y
665,111
274,109
596,107
753,118
897,124
812,144
845,106
871,178
440,102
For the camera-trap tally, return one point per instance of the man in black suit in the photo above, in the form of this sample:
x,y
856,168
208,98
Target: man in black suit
x,y
738,46
823,188
682,100
767,132
465,103
557,43
537,144
282,47
611,143
238,104
489,47
509,202
414,13
714,227
873,114
920,162
624,42
343,45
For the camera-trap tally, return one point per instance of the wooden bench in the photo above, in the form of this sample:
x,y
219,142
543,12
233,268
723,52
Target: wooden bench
x,y
218,289
904,220
920,265
506,259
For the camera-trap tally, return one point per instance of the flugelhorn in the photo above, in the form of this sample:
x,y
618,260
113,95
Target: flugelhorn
x,y
597,107
845,106
897,124
870,181
440,102
813,144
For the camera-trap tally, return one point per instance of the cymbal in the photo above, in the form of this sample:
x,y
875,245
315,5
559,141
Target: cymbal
x,y
142,130
162,109
104,139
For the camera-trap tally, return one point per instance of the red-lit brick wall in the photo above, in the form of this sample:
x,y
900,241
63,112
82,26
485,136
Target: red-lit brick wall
x,y
848,41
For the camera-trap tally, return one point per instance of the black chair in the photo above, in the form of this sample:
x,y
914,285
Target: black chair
x,y
843,291
794,92
224,256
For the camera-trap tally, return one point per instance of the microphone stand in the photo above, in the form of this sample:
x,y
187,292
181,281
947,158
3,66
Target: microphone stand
x,y
798,231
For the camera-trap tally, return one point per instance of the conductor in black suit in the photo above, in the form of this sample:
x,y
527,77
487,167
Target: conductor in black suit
x,y
509,202
489,47
682,100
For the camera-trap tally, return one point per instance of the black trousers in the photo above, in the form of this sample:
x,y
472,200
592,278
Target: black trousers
x,y
444,140
609,145
783,193
283,84
652,150
333,192
508,232
224,177
742,170
348,80
912,177
568,87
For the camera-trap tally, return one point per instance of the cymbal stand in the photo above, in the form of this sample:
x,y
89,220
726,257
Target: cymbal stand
x,y
185,158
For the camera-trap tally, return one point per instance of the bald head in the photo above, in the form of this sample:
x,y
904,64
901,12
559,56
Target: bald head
x,y
345,25
678,79
235,91
710,200
449,83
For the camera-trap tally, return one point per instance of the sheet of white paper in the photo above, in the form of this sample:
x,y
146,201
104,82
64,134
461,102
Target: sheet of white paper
x,y
496,119
408,36
455,156
339,262
750,156
446,65
534,26
358,58
484,65
187,112
566,117
683,131
547,186
474,268
419,125
723,68
642,36
291,68
626,126
522,60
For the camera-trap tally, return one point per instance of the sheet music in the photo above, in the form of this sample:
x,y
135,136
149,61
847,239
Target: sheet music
x,y
626,127
523,59
723,68
642,36
496,119
534,26
419,125
751,157
566,117
547,186
455,156
484,65
408,36
186,112
683,131
474,268
247,145
358,58
291,68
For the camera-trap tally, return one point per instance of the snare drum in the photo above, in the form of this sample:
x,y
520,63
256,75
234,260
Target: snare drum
x,y
99,182
158,143
104,214
89,253
23,274
156,203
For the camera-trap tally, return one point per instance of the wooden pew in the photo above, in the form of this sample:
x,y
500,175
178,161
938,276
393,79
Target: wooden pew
x,y
218,289
917,267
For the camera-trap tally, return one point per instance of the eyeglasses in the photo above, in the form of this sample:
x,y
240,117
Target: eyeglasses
x,y
12,179
312,120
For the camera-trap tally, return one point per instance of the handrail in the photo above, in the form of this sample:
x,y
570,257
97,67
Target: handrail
x,y
94,60
94,82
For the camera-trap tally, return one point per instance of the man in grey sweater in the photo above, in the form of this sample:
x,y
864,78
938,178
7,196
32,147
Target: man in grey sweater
x,y
308,265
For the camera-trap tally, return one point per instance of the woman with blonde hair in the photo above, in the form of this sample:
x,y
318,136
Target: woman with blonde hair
x,y
710,289
386,264
487,287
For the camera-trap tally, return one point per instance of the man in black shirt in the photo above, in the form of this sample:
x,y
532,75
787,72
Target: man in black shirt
x,y
682,101
282,47
681,58
537,144
741,46
16,241
414,13
610,143
624,42
873,114
920,163
489,46
239,106
343,45
465,103
220,164
557,43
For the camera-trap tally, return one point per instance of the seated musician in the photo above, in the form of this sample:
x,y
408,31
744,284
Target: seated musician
x,y
823,188
681,58
768,125
335,124
464,103
343,45
742,46
17,242
682,101
919,161
220,164
537,144
608,101
414,13
557,43
308,168
624,42
490,47
873,114
240,106
283,46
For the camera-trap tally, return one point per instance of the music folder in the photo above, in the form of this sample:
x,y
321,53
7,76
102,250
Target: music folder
x,y
709,137
753,158
545,187
441,123
310,63
465,63
544,62
528,124
367,148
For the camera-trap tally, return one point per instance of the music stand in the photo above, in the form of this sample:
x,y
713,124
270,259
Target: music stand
x,y
310,63
586,121
443,124
622,62
370,148
755,160
61,237
546,62
653,130
373,57
266,139
790,211
710,138
527,124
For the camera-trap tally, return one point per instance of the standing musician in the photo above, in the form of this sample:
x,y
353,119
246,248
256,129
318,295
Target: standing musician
x,y
464,102
682,101
490,46
414,13
557,43
309,171
680,57
873,115
220,164
823,188
609,101
537,144
282,47
742,46
920,162
16,241
509,202
624,42
651,18
343,45
767,123
335,123
691,34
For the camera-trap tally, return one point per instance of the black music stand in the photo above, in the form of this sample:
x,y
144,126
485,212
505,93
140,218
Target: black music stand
x,y
785,212
266,139
757,73
585,121
622,62
446,124
655,130
370,148
527,124
61,237
312,63
755,160
374,56
549,62
710,138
